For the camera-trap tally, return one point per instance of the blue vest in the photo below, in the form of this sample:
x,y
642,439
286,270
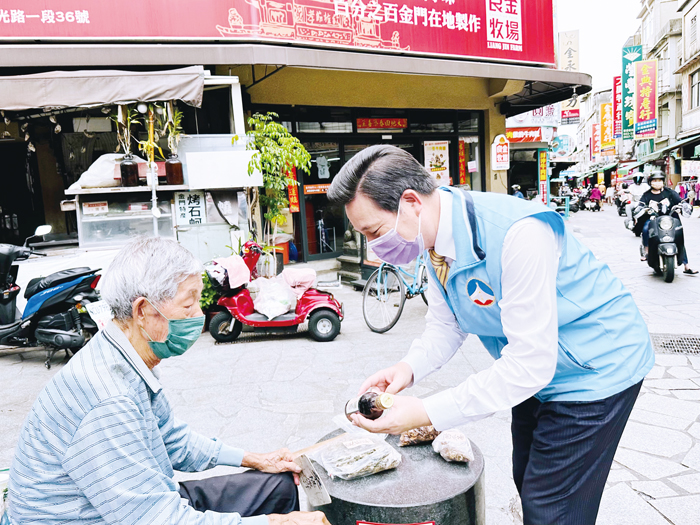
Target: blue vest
x,y
604,344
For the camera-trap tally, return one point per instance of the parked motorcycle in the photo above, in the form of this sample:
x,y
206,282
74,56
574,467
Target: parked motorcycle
x,y
320,310
666,242
55,317
621,202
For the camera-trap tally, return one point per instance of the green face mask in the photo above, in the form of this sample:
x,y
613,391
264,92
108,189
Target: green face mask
x,y
182,334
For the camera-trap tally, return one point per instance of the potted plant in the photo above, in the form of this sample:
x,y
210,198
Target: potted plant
x,y
126,117
172,128
277,152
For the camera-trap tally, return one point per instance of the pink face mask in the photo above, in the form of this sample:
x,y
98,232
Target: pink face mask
x,y
394,249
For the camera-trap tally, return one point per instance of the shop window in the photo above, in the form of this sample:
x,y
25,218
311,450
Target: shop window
x,y
695,90
469,162
432,127
324,227
469,125
324,127
432,122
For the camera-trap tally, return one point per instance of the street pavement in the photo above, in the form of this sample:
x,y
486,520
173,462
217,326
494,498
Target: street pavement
x,y
271,392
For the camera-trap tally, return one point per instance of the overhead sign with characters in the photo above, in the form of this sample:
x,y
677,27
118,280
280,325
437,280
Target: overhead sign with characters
x,y
508,30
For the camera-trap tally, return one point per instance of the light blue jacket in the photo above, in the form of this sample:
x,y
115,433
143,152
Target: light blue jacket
x,y
604,344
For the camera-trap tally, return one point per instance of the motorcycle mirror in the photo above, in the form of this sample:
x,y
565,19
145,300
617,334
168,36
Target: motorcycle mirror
x,y
43,230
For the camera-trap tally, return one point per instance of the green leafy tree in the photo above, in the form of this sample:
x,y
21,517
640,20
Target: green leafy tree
x,y
276,153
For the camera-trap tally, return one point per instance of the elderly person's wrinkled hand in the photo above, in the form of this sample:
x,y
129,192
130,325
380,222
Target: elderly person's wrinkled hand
x,y
273,462
299,518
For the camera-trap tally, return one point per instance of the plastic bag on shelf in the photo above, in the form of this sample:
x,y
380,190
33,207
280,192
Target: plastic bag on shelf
x,y
357,456
418,435
273,297
453,445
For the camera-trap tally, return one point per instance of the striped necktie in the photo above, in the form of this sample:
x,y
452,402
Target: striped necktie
x,y
442,269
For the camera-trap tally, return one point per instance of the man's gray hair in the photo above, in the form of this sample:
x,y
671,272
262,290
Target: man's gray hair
x,y
382,173
150,267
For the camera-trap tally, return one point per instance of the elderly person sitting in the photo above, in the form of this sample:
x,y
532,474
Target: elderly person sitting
x,y
101,442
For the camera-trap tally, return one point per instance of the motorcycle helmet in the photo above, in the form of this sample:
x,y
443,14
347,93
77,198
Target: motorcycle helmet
x,y
624,185
657,175
515,187
638,179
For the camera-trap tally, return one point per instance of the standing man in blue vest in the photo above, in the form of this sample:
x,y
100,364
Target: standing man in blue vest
x,y
570,346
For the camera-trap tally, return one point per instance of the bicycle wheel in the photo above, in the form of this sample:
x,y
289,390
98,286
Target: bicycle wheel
x,y
423,280
382,299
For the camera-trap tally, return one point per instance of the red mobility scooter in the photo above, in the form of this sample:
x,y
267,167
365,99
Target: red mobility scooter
x,y
320,309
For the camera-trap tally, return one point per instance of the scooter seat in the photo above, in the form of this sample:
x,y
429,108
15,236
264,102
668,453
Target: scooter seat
x,y
39,284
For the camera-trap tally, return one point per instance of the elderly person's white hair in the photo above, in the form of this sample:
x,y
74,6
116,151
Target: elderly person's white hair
x,y
150,267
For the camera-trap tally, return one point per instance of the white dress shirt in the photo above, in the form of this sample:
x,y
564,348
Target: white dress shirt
x,y
529,261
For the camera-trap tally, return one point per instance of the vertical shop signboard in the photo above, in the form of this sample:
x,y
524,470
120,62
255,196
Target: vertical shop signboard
x,y
617,107
645,99
568,50
542,156
190,208
437,161
595,141
607,127
462,162
500,154
293,190
630,55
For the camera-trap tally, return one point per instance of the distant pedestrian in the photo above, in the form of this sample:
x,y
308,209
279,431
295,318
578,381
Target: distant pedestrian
x,y
610,194
516,191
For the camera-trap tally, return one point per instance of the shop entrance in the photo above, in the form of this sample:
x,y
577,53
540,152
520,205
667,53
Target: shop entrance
x,y
325,225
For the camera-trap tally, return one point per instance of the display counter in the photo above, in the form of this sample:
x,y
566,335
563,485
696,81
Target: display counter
x,y
108,217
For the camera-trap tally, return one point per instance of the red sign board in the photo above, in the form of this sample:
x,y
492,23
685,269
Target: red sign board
x,y
293,191
617,106
382,123
462,162
595,138
645,99
509,30
315,189
524,134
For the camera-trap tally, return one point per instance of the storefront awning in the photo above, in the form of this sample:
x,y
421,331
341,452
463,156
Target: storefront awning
x,y
537,86
60,89
592,172
663,151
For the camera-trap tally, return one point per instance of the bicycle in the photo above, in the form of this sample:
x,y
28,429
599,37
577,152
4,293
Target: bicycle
x,y
386,291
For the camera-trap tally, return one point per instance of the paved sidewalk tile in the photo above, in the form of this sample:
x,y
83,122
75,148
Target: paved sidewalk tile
x,y
681,510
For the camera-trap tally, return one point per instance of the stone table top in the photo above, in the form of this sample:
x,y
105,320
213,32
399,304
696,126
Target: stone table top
x,y
422,478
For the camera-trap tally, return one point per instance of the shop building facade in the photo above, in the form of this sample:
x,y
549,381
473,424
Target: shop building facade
x,y
339,79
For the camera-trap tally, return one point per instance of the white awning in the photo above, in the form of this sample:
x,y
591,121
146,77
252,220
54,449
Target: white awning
x,y
61,89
